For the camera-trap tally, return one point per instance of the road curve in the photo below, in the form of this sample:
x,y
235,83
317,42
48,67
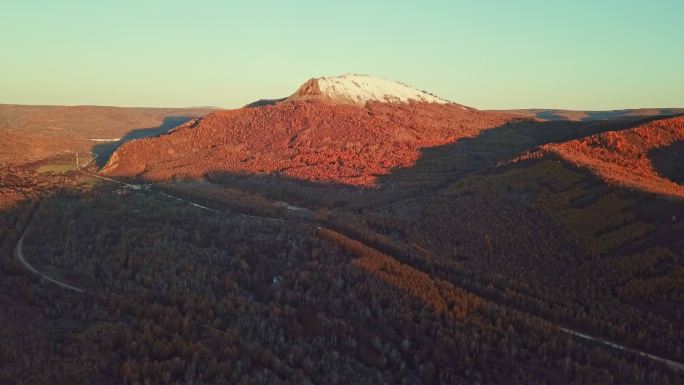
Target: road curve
x,y
19,254
19,251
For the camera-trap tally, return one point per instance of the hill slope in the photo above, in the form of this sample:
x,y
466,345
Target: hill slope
x,y
315,135
622,157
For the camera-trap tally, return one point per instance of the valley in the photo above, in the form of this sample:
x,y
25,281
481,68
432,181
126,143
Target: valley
x,y
328,238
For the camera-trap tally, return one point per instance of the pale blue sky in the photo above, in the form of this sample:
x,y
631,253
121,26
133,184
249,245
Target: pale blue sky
x,y
582,54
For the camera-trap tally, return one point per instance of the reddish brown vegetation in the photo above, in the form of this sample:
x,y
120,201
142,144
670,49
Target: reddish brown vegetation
x,y
308,140
188,295
459,283
442,296
621,157
31,133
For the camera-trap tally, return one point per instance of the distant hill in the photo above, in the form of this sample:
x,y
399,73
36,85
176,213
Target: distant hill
x,y
587,116
30,133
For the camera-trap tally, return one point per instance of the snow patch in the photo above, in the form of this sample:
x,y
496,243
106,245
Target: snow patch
x,y
105,140
363,88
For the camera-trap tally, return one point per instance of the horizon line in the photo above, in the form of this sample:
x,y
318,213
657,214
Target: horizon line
x,y
237,108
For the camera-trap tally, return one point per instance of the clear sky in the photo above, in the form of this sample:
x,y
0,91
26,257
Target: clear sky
x,y
581,54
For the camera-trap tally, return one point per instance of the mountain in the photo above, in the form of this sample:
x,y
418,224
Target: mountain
x,y
352,129
347,129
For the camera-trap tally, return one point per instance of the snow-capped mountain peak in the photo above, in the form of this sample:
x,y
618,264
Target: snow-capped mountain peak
x,y
359,89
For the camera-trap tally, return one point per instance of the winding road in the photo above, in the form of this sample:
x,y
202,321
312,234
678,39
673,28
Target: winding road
x,y
20,256
672,364
19,251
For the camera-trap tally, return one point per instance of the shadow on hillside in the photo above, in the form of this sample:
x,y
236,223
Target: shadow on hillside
x,y
549,115
105,150
618,114
436,167
442,164
669,161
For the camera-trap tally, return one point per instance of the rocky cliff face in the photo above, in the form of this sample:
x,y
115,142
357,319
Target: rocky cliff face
x,y
310,88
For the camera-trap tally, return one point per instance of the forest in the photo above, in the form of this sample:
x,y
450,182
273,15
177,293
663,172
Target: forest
x,y
475,265
403,292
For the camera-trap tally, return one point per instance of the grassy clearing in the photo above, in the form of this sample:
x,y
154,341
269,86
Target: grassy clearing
x,y
56,168
62,163
89,181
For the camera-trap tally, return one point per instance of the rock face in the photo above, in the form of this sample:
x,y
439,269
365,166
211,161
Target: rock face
x,y
310,88
319,134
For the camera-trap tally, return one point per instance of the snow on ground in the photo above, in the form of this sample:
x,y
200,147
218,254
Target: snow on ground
x,y
106,140
363,88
